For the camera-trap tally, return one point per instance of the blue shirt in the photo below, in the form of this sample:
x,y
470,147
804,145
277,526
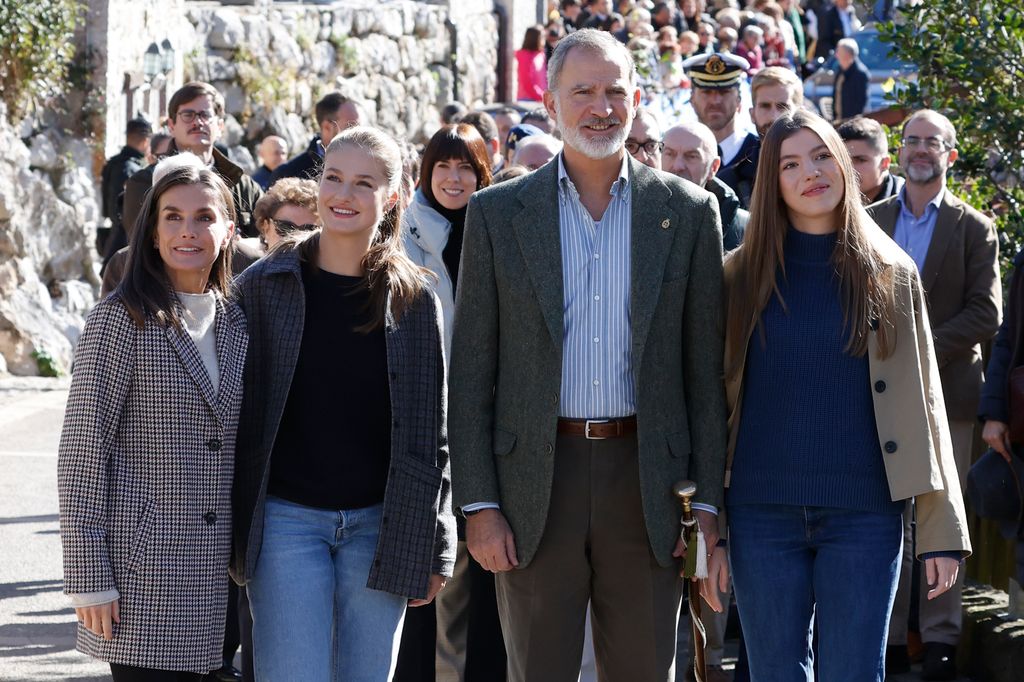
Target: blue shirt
x,y
914,235
597,364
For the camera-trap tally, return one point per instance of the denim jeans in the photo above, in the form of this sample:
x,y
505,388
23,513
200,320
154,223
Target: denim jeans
x,y
792,563
314,619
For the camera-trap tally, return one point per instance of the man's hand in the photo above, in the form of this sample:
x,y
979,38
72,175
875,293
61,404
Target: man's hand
x,y
437,582
997,435
99,618
490,541
941,573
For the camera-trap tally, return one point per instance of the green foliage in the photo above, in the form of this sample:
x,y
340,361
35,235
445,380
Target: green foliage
x,y
346,55
971,68
265,84
47,364
36,48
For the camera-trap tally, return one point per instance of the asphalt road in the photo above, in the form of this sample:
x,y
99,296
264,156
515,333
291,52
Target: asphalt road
x,y
37,628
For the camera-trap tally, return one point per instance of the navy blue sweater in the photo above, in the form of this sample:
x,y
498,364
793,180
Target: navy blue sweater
x,y
807,432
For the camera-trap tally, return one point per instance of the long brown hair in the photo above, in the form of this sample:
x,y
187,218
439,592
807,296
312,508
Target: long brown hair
x,y
866,279
145,288
388,269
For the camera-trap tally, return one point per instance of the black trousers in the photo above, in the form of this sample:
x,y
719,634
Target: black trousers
x,y
126,673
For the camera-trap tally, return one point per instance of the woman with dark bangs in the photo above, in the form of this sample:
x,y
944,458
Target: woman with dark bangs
x,y
836,418
455,164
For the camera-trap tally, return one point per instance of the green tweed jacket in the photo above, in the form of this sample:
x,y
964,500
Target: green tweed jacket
x,y
507,350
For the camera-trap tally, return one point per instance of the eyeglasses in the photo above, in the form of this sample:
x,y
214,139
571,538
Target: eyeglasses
x,y
188,115
651,147
932,144
286,226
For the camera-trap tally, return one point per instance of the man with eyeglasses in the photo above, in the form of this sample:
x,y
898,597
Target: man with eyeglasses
x,y
196,122
691,152
957,252
644,142
334,112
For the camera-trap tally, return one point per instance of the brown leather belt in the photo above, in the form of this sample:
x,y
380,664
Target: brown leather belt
x,y
598,429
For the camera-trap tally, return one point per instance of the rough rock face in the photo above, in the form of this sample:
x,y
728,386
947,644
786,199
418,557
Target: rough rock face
x,y
272,62
48,215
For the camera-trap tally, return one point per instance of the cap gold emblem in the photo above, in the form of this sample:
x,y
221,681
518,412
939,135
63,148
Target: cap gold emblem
x,y
715,65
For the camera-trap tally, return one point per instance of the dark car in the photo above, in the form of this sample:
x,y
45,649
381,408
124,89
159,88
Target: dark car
x,y
888,73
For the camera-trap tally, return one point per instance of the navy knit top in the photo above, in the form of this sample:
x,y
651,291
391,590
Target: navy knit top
x,y
807,433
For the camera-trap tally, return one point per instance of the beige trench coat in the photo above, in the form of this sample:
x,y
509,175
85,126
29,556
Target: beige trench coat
x,y
913,432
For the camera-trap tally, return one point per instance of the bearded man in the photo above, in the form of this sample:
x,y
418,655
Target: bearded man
x,y
586,379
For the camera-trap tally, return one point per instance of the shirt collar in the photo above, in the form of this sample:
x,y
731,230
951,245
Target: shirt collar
x,y
618,187
935,201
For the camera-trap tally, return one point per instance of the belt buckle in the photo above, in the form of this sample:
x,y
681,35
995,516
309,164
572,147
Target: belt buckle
x,y
586,429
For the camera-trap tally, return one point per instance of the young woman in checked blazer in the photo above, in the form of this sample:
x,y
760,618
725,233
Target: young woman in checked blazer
x,y
147,451
342,491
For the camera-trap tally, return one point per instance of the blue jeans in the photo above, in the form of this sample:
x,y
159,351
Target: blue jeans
x,y
791,564
313,617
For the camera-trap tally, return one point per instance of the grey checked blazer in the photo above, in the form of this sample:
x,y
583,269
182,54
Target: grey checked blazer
x,y
506,363
144,474
417,537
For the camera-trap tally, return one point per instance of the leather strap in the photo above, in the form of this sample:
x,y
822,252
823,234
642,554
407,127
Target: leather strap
x,y
598,429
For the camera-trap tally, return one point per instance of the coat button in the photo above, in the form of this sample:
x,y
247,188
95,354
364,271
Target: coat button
x,y
554,399
394,423
880,386
210,518
890,447
548,448
213,444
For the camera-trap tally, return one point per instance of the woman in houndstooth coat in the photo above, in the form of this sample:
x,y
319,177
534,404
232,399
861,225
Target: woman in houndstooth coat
x,y
147,452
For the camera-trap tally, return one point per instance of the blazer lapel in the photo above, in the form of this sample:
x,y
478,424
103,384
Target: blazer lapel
x,y
537,230
886,216
653,230
232,342
187,352
946,223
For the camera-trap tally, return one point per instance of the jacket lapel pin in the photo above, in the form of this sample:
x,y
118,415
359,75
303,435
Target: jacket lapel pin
x,y
665,224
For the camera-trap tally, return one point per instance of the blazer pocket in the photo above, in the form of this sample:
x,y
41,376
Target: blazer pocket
x,y
503,441
419,470
679,444
140,539
673,277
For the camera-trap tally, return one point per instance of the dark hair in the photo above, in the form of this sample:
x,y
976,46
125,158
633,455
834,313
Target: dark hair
x,y
509,173
533,40
539,114
484,124
389,272
566,4
145,288
866,129
453,112
458,141
139,127
329,105
190,91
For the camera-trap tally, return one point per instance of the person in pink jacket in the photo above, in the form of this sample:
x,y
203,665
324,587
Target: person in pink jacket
x,y
531,66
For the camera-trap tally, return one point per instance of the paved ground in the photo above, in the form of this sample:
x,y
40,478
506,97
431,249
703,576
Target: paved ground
x,y
37,629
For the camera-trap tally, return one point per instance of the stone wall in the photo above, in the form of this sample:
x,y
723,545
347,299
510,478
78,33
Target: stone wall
x,y
48,215
273,62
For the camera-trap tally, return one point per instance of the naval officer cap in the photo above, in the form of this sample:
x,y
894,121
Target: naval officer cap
x,y
718,70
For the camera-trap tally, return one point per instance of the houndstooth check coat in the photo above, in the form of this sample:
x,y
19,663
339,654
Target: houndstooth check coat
x,y
417,535
144,475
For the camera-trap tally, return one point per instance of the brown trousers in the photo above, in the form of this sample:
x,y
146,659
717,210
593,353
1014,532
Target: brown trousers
x,y
594,549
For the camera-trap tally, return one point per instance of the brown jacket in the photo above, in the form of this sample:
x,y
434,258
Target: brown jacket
x,y
909,412
964,295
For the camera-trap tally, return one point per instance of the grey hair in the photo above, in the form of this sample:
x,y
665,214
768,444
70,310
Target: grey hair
x,y
851,45
594,41
948,130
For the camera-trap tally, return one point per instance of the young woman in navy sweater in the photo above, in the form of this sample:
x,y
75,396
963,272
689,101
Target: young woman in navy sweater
x,y
836,418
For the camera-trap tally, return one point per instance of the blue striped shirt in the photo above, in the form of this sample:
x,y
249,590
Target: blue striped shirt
x,y
597,363
913,234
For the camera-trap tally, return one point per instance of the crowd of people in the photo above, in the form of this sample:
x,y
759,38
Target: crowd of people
x,y
427,409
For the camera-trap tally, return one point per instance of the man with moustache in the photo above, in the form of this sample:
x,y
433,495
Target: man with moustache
x,y
774,91
869,150
196,122
957,253
586,379
716,100
691,152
